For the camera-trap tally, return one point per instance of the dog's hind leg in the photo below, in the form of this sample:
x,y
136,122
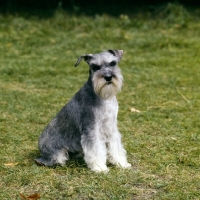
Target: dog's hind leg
x,y
60,157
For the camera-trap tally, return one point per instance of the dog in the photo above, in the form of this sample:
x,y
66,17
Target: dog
x,y
87,124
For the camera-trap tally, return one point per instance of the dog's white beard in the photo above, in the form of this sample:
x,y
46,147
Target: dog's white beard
x,y
105,89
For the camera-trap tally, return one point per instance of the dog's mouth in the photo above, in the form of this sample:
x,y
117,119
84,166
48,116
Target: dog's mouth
x,y
109,82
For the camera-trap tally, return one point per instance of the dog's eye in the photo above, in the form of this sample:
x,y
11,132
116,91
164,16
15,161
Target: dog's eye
x,y
113,63
95,67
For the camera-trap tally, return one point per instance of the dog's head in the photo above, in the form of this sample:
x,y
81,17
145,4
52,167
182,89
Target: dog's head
x,y
104,71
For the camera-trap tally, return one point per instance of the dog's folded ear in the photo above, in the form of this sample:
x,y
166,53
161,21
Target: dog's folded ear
x,y
117,53
87,58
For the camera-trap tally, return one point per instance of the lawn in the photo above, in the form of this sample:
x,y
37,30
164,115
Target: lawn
x,y
161,69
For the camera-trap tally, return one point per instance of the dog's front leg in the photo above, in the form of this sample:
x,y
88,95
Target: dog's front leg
x,y
116,151
94,150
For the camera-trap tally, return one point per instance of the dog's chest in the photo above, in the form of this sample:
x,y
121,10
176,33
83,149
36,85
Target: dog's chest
x,y
106,116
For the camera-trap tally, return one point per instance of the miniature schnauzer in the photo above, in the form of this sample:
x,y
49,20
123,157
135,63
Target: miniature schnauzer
x,y
87,124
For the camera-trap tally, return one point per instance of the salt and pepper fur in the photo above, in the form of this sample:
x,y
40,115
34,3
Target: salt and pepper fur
x,y
87,124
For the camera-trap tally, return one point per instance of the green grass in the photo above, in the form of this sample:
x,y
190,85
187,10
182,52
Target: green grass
x,y
161,79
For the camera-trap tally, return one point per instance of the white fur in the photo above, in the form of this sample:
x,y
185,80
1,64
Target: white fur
x,y
105,133
61,157
103,57
105,90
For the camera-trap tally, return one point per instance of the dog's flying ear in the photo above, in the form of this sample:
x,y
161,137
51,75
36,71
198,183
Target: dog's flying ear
x,y
87,58
117,53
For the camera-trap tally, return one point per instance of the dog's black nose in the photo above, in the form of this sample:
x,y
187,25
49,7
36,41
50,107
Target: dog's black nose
x,y
108,78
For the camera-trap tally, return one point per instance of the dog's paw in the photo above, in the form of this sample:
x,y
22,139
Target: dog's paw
x,y
100,168
127,166
124,165
43,162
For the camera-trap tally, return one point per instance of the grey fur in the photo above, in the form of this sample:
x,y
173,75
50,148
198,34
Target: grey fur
x,y
83,125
